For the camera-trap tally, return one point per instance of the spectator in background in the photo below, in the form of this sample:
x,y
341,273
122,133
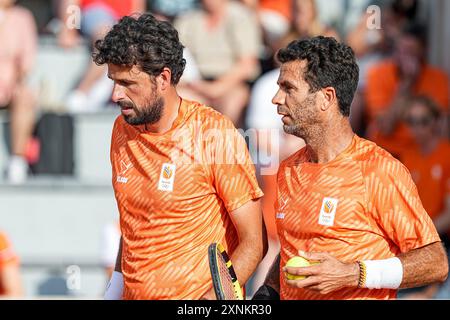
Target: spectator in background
x,y
10,282
429,163
391,82
97,17
428,160
365,38
372,43
169,10
306,23
18,37
274,16
224,40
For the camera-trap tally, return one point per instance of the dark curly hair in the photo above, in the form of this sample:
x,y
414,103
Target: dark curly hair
x,y
144,41
330,64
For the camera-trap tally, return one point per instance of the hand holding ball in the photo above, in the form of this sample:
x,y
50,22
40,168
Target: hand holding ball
x,y
297,262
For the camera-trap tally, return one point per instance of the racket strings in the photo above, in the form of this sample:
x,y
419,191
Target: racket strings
x,y
226,279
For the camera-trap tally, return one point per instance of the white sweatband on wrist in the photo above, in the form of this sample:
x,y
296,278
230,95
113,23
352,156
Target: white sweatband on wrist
x,y
383,274
114,289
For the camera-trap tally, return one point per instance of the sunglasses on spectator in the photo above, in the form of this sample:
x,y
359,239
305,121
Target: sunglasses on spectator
x,y
419,121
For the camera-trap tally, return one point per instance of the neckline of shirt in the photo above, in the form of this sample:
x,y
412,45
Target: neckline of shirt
x,y
338,158
182,111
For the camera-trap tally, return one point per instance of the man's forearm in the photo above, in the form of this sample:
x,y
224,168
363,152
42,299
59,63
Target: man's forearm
x,y
246,258
424,266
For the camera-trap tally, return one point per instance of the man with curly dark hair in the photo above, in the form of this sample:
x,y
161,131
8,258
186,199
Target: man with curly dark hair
x,y
346,208
182,175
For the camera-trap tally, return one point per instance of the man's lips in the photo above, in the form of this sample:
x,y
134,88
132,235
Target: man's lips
x,y
127,111
281,113
125,107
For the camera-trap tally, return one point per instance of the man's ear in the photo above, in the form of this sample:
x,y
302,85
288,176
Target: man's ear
x,y
164,79
329,98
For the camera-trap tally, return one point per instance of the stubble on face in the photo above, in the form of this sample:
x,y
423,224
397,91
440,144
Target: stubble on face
x,y
303,118
149,114
151,110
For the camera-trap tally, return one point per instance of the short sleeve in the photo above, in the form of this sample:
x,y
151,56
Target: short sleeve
x,y
232,170
394,203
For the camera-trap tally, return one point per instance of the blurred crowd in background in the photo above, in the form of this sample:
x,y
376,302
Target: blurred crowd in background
x,y
401,103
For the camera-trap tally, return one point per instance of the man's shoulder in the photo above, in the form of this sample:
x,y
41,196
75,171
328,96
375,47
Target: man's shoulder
x,y
376,161
208,117
119,123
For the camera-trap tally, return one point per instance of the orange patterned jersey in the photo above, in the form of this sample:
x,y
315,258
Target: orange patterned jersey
x,y
363,205
175,192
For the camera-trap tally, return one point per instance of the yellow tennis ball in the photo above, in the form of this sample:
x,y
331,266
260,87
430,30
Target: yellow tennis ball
x,y
297,262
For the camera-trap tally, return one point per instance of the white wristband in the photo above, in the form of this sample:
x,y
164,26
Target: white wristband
x,y
114,289
383,274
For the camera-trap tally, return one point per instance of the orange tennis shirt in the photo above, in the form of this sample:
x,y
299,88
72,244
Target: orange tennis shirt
x,y
363,205
175,192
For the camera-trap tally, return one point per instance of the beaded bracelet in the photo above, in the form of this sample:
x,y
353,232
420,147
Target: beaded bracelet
x,y
362,274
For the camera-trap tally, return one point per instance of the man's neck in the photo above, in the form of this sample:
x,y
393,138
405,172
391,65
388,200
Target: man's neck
x,y
330,142
172,104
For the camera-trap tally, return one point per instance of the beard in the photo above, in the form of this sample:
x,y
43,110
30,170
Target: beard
x,y
305,119
149,114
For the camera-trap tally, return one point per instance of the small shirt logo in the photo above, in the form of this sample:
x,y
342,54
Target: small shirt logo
x,y
124,167
280,215
121,179
167,177
328,211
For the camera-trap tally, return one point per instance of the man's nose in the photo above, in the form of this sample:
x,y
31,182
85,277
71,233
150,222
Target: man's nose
x,y
279,98
118,93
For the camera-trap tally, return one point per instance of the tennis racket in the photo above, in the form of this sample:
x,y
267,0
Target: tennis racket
x,y
225,282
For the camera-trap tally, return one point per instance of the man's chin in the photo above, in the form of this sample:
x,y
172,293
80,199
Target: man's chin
x,y
138,121
132,120
292,130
